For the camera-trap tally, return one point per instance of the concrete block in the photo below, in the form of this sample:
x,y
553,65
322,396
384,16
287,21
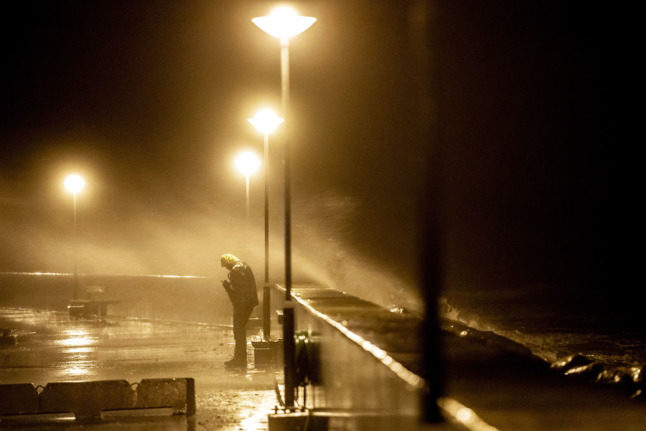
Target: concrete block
x,y
175,393
15,399
87,399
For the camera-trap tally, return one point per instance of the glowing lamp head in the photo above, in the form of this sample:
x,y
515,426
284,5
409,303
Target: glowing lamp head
x,y
247,163
266,121
284,23
74,183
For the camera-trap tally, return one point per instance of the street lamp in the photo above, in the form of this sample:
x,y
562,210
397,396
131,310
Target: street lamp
x,y
247,163
266,122
74,183
285,23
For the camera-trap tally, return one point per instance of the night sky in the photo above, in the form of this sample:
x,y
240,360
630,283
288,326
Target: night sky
x,y
150,101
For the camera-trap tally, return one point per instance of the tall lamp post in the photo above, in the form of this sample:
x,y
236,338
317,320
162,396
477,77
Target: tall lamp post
x,y
74,183
247,163
266,122
284,23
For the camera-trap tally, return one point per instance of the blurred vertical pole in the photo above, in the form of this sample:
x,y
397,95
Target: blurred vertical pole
x,y
288,311
266,297
420,21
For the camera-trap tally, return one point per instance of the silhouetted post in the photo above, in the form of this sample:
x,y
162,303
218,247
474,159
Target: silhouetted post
x,y
266,121
421,22
285,23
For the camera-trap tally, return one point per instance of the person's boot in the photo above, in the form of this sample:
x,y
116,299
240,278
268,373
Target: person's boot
x,y
236,363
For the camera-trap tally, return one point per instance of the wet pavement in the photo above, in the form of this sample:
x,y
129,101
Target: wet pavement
x,y
52,347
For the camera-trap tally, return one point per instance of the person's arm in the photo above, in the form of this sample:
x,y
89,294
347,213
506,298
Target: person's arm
x,y
234,289
229,289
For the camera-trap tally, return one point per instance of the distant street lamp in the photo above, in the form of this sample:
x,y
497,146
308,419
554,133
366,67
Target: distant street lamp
x,y
266,122
247,163
284,23
74,183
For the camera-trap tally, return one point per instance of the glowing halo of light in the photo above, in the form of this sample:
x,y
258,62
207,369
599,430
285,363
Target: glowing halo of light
x,y
266,121
74,183
284,23
247,163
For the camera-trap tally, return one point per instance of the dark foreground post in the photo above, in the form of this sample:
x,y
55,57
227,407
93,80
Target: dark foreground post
x,y
289,354
422,25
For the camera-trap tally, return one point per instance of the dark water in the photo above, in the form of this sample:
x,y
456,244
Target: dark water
x,y
578,337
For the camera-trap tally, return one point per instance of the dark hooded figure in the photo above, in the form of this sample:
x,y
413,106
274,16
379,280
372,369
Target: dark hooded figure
x,y
241,288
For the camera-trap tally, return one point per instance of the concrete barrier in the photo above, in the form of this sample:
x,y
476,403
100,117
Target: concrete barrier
x,y
17,399
187,299
88,400
177,394
356,361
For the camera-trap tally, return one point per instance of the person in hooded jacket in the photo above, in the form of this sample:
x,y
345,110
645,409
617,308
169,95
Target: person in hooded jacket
x,y
241,288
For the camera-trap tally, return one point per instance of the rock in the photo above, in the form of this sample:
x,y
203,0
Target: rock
x,y
571,361
591,370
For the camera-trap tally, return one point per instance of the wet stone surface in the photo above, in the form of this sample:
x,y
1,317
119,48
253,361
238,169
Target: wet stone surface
x,y
51,347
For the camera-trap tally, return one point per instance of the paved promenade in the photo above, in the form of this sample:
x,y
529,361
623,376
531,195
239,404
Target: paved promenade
x,y
51,347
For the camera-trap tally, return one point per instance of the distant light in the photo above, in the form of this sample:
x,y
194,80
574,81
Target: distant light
x,y
284,23
266,121
74,183
247,163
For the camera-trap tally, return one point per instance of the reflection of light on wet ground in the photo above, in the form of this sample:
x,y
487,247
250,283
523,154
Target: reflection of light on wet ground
x,y
254,414
25,316
78,350
77,362
77,338
76,371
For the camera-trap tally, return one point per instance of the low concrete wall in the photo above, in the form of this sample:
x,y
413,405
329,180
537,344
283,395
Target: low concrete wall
x,y
190,299
366,357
